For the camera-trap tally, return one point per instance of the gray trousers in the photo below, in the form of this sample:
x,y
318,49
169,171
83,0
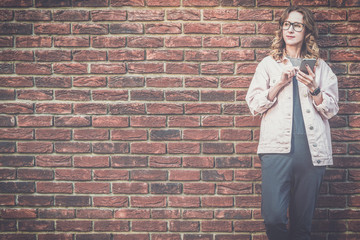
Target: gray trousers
x,y
290,181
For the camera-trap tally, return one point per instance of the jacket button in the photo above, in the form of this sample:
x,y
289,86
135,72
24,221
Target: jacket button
x,y
318,161
311,128
314,145
308,110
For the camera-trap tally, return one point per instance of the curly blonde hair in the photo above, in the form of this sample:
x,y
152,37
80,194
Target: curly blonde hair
x,y
309,48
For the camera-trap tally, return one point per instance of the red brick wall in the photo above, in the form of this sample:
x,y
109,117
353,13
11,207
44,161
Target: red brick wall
x,y
125,119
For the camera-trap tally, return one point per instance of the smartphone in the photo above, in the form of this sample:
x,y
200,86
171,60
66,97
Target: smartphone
x,y
310,62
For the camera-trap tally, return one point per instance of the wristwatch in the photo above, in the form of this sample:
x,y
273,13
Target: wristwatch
x,y
315,92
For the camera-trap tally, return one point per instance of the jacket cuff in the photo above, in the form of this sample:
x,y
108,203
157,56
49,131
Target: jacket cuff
x,y
322,107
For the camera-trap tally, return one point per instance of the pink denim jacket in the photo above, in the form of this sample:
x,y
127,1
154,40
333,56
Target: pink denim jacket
x,y
276,115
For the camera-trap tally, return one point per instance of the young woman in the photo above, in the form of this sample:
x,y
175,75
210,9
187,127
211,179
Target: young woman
x,y
295,143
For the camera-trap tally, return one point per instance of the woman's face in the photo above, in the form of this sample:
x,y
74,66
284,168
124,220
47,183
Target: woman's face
x,y
292,36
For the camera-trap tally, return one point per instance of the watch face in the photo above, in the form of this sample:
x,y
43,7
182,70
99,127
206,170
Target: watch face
x,y
316,92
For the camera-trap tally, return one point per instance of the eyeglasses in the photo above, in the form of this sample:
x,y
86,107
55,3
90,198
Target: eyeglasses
x,y
298,27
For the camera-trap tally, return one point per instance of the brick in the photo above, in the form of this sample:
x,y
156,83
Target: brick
x,y
164,82
52,3
93,29
33,41
202,108
166,188
148,175
183,148
164,162
8,226
344,28
200,3
6,41
69,121
217,121
184,175
110,147
110,121
69,201
67,41
7,94
126,28
198,162
16,81
200,135
165,55
54,187
53,82
52,55
147,95
135,3
148,201
32,15
111,226
163,28
183,41
146,226
89,81
204,82
16,108
183,121
71,15
182,68
217,175
146,15
165,135
202,28
218,148
105,175
33,68
185,15
220,14
159,108
72,147
113,201
92,188
184,201
218,96
276,3
163,3
216,226
112,68
184,226
255,15
7,121
126,55
7,174
70,68
35,94
256,42
217,201
55,108
199,188
238,28
15,28
132,236
130,188
108,15
128,108
332,41
89,55
182,96
248,226
203,55
10,55
72,95
36,226
93,213
93,236
165,214
35,174
22,213
90,108
53,161
90,3
91,161
6,68
197,214
73,174
35,147
77,226
52,28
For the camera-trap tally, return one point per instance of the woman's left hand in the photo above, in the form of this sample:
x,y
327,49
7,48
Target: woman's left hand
x,y
307,79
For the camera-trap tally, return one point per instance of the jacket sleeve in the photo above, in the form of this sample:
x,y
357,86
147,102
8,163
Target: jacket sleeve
x,y
257,94
330,93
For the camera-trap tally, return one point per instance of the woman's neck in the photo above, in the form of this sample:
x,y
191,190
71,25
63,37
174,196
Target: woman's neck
x,y
293,51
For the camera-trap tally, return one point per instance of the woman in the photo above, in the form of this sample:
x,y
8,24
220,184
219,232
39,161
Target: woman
x,y
295,144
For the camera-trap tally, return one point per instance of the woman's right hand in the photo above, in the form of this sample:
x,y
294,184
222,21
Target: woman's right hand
x,y
287,75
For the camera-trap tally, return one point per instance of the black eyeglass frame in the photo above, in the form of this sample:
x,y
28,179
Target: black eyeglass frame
x,y
292,24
